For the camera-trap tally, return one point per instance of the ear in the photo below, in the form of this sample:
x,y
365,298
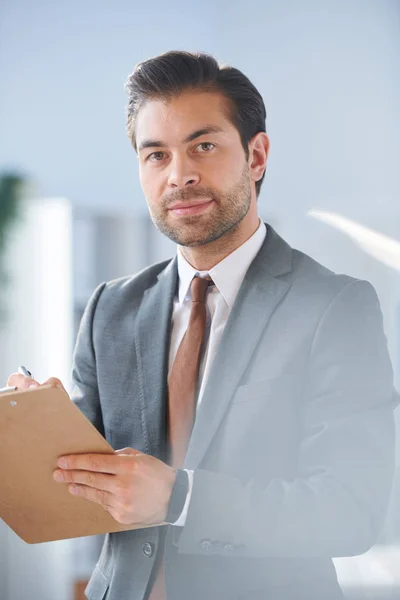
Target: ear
x,y
258,154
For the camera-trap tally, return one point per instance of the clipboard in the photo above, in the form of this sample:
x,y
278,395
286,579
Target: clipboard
x,y
37,426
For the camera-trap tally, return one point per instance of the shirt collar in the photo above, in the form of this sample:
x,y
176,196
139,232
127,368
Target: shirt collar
x,y
227,274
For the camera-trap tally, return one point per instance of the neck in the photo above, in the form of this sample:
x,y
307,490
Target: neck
x,y
204,258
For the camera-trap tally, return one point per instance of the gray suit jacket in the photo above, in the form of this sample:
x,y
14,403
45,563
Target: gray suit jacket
x,y
293,444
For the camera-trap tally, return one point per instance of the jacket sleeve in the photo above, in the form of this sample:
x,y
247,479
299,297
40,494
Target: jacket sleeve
x,y
337,503
85,392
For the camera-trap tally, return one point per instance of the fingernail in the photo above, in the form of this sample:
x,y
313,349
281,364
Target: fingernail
x,y
33,385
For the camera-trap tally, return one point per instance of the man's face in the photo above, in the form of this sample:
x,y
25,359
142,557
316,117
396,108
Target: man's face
x,y
193,168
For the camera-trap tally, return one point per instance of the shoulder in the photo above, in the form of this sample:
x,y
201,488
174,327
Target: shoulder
x,y
315,279
343,303
127,290
136,284
314,286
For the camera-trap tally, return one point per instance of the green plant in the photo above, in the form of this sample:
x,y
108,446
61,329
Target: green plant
x,y
11,186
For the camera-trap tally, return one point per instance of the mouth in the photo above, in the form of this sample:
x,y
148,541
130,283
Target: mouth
x,y
190,208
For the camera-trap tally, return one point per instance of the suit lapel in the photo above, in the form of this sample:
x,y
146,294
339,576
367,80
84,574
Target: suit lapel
x,y
259,294
152,340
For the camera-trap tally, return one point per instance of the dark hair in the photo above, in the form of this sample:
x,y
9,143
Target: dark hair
x,y
170,74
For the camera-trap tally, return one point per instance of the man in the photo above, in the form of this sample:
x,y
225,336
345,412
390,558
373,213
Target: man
x,y
246,389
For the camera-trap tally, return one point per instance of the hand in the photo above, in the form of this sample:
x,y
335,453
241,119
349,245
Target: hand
x,y
135,488
24,383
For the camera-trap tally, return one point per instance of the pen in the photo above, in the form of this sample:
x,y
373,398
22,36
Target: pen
x,y
7,389
23,371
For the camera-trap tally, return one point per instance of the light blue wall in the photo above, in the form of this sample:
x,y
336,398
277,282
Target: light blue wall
x,y
328,71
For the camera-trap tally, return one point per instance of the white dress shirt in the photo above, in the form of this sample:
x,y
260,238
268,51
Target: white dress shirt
x,y
227,276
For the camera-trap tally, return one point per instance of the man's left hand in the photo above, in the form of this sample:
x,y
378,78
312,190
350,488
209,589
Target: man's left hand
x,y
135,488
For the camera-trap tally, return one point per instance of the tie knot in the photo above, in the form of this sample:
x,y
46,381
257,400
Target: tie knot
x,y
198,288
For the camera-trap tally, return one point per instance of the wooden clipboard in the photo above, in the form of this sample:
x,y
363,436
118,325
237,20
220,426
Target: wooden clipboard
x,y
38,426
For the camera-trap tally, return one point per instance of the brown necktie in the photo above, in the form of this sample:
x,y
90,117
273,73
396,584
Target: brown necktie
x,y
182,383
182,386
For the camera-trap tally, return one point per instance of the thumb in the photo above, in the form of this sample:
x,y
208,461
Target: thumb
x,y
131,451
54,382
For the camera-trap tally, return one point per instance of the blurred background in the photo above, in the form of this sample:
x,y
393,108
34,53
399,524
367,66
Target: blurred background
x,y
329,74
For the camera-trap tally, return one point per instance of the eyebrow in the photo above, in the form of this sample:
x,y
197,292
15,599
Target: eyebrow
x,y
196,134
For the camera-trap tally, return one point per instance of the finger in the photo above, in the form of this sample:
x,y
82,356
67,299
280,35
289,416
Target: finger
x,y
94,495
99,463
100,481
113,512
54,382
21,382
108,502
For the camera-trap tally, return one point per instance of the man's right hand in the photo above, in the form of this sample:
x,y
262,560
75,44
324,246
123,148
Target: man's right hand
x,y
24,383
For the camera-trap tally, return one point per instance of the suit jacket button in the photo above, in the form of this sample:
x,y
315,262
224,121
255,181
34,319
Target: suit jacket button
x,y
148,549
205,545
228,549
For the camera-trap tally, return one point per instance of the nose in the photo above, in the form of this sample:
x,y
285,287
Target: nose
x,y
182,173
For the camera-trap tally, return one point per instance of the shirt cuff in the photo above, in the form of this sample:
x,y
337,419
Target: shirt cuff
x,y
180,522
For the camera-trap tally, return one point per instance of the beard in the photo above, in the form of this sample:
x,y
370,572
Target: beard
x,y
227,211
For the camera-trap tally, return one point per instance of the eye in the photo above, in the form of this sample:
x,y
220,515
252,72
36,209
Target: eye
x,y
155,156
205,147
